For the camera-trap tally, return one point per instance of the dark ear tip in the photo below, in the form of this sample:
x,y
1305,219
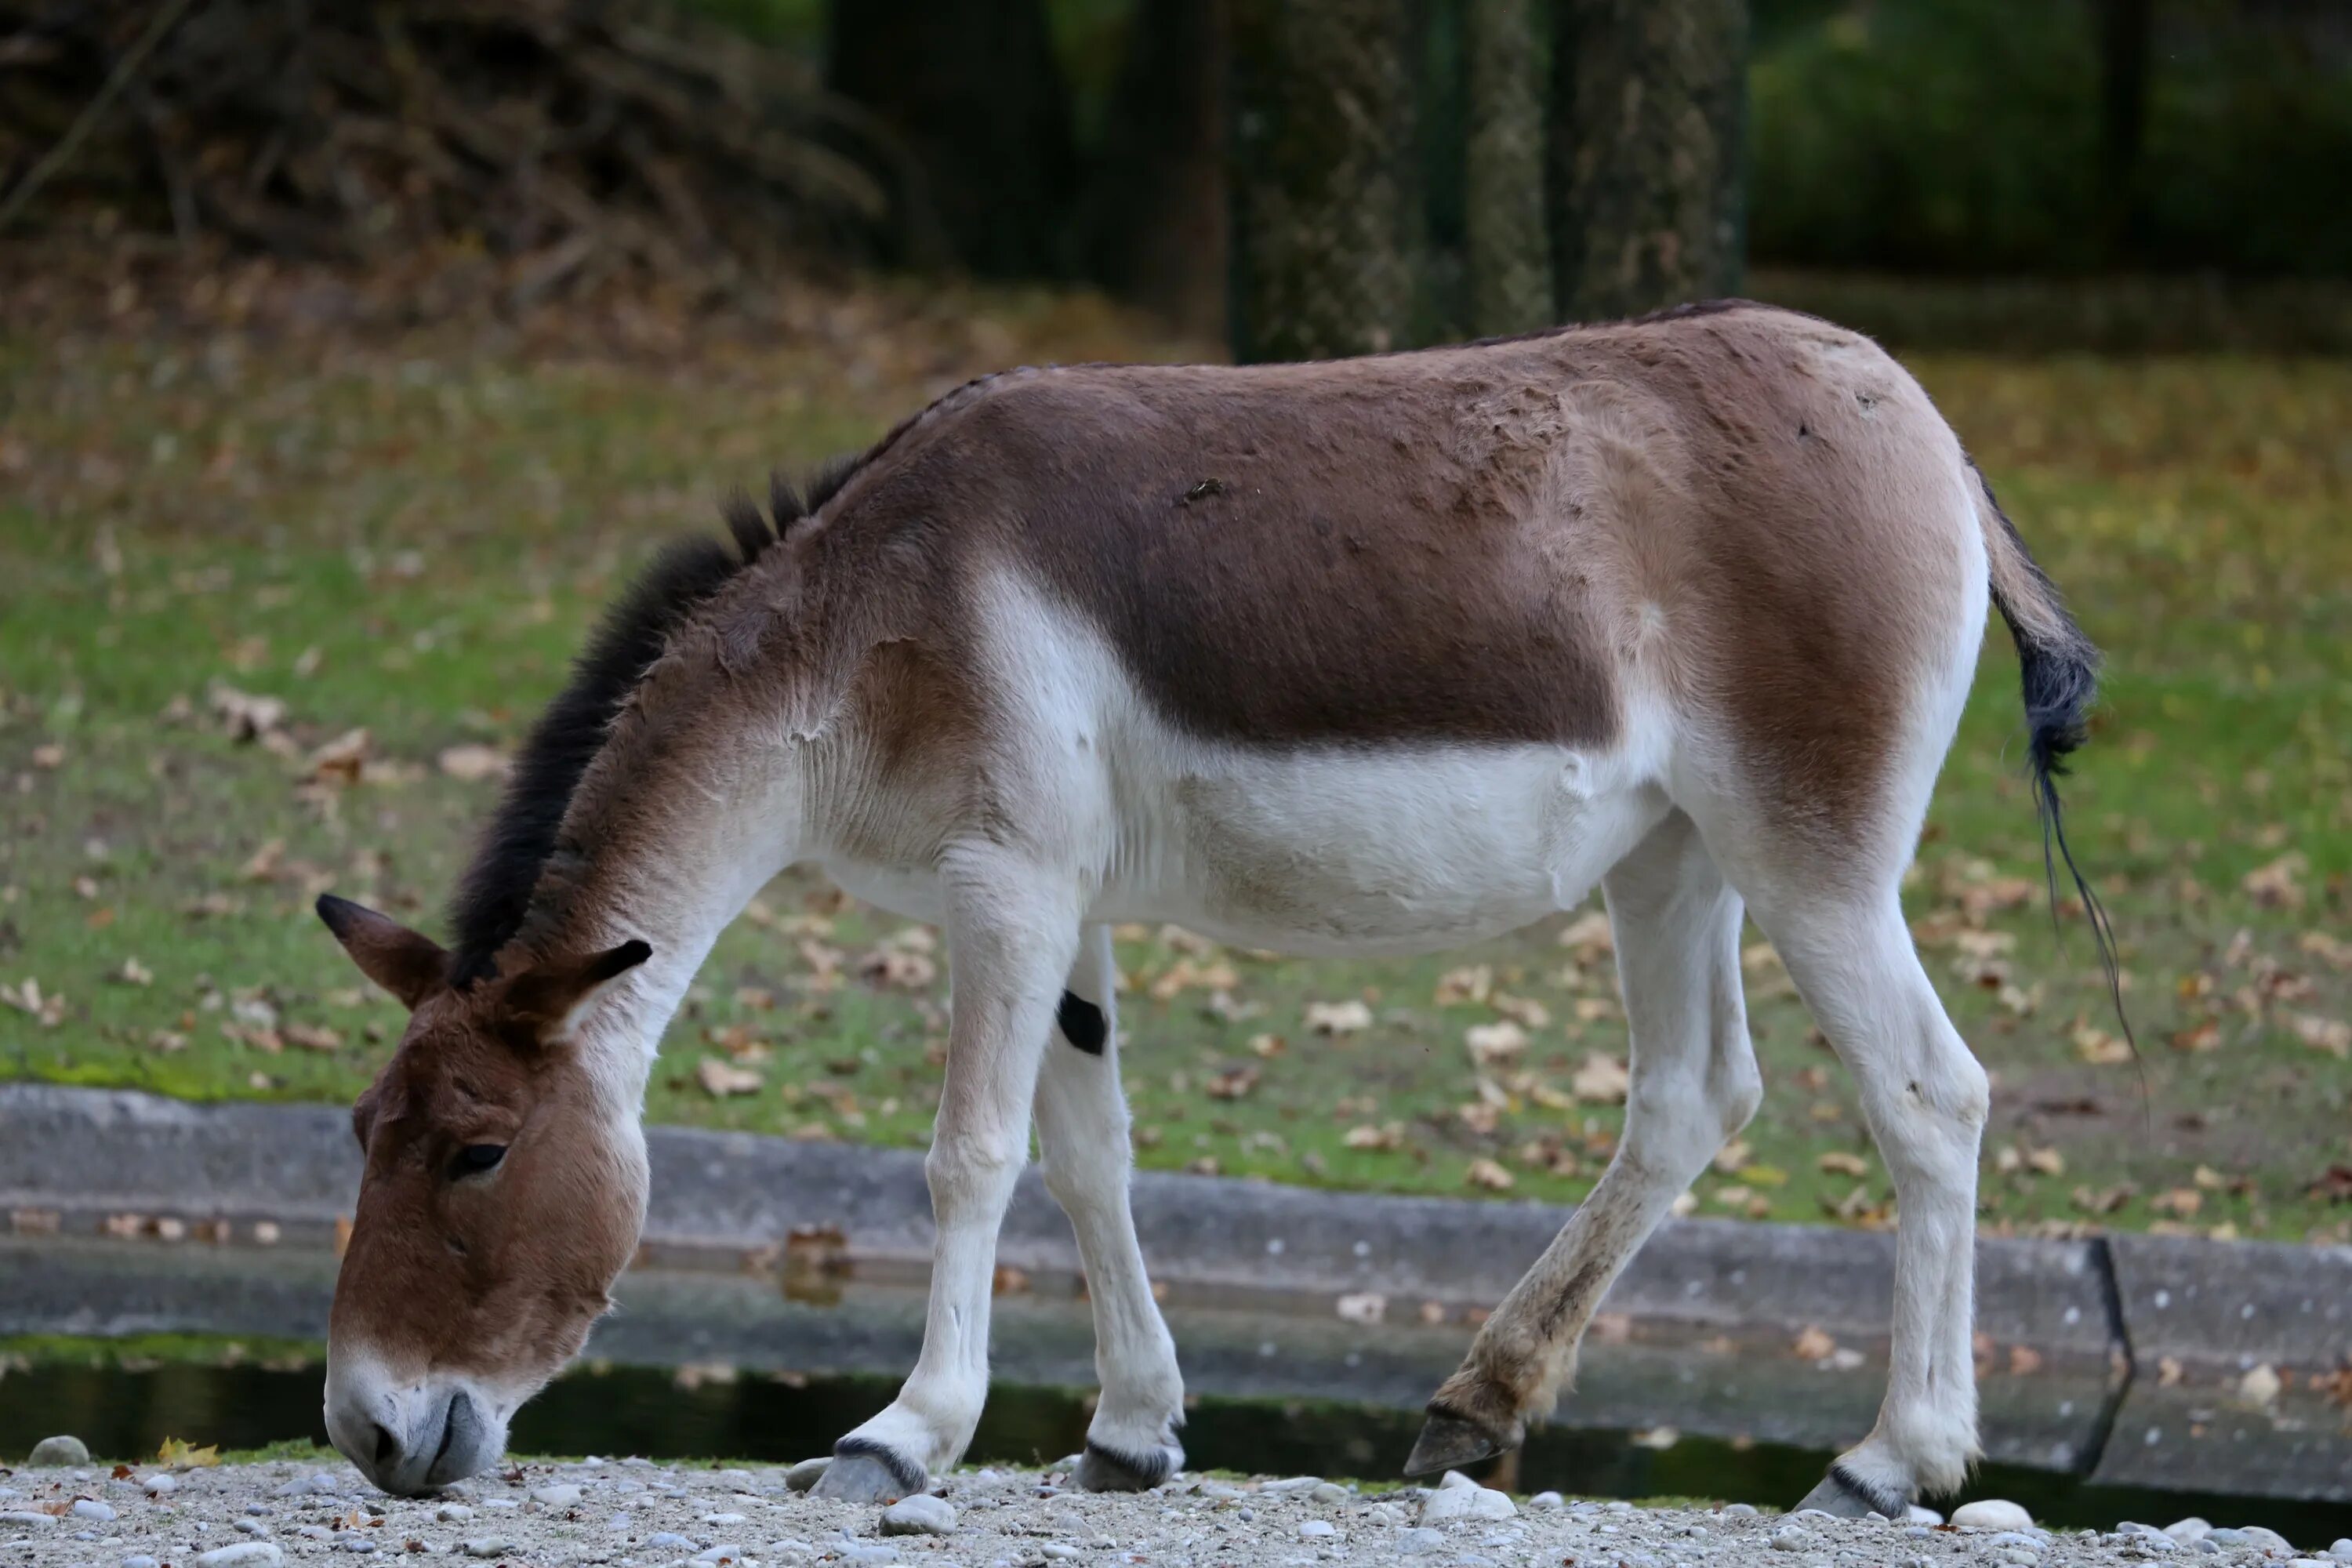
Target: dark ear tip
x,y
334,911
634,952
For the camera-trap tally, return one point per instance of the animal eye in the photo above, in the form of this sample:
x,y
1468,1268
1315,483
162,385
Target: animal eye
x,y
475,1158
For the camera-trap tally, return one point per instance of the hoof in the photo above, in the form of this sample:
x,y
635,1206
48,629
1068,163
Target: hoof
x,y
866,1474
1102,1470
1845,1495
1447,1443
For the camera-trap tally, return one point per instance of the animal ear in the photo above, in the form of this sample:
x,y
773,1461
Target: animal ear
x,y
409,964
554,994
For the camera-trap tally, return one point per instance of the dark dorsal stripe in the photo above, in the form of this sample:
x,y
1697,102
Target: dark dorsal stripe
x,y
495,893
1082,1024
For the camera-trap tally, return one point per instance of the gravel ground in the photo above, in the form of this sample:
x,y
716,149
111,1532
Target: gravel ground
x,y
631,1514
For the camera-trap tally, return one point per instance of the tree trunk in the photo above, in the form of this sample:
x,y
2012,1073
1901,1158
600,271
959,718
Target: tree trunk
x,y
1649,106
1325,227
1156,217
1508,253
2124,28
972,92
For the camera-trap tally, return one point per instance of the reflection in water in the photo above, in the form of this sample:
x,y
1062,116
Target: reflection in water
x,y
125,1406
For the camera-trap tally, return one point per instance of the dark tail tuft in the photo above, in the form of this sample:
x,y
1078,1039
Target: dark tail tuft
x,y
2059,670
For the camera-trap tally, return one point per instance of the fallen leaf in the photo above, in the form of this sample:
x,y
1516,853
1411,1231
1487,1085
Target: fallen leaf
x,y
1602,1081
2278,885
186,1455
1841,1163
1813,1344
472,761
340,760
1733,1155
1391,1136
2047,1162
2330,1035
1589,934
1368,1307
1524,1011
1267,1046
1495,1043
720,1080
2260,1385
48,756
1487,1174
1338,1019
1473,983
2100,1049
1233,1083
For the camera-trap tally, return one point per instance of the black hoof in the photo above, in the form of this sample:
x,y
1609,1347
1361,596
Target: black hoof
x,y
867,1472
1447,1443
1102,1470
1845,1495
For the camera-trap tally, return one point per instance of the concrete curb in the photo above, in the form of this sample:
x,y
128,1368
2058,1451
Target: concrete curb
x,y
87,1156
89,1161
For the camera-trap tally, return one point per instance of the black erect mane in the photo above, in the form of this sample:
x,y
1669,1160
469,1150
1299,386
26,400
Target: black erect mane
x,y
495,893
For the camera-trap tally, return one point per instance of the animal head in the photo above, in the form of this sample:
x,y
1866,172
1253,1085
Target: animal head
x,y
502,1195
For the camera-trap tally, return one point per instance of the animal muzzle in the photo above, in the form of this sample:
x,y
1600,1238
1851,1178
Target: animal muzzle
x,y
411,1439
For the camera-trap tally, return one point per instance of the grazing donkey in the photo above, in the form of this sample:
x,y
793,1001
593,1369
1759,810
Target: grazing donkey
x,y
1378,656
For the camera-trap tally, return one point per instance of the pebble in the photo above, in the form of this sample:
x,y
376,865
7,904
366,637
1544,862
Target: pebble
x,y
1292,1484
728,1553
245,1552
497,1546
561,1496
1543,1502
90,1507
139,1560
252,1527
1468,1502
352,1541
453,1513
807,1473
1991,1513
25,1516
851,1551
921,1514
1915,1514
162,1483
665,1541
60,1450
1327,1492
2264,1539
2190,1531
1419,1539
1792,1538
1454,1481
1316,1529
2342,1550
1741,1510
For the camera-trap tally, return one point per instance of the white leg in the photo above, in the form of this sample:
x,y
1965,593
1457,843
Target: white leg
x,y
1012,935
1926,1098
1082,1133
1695,1084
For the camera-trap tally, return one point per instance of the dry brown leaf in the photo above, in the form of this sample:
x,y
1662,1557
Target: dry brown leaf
x,y
1524,1011
1473,983
1602,1081
2330,1035
2099,1048
1842,1162
1339,1018
1497,1043
2278,885
1389,1136
471,761
1590,935
1267,1046
719,1079
1234,1083
1813,1344
1487,1174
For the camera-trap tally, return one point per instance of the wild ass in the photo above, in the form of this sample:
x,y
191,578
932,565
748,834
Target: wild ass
x,y
1378,656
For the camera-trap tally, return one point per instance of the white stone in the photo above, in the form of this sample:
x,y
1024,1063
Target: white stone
x,y
562,1495
1915,1514
139,1560
1792,1538
727,1551
1453,1480
487,1546
1991,1513
1544,1502
1316,1529
1466,1502
2342,1550
921,1514
162,1483
453,1513
58,1451
2188,1532
90,1507
2263,1538
244,1555
807,1473
27,1516
1419,1539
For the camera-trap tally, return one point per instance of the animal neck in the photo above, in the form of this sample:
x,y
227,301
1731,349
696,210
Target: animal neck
x,y
669,858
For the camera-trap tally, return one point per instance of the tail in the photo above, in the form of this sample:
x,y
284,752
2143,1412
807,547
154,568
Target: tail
x,y
2060,677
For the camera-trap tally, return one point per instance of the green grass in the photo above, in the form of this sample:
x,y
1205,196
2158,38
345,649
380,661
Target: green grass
x,y
410,539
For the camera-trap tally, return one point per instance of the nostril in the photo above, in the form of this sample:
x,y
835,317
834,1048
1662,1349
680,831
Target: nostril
x,y
387,1446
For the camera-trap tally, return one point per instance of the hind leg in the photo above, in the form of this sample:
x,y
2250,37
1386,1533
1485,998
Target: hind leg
x,y
1694,1085
1925,1098
1082,1133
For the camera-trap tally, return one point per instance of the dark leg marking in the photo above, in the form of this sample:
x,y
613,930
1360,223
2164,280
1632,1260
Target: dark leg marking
x,y
1082,1024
